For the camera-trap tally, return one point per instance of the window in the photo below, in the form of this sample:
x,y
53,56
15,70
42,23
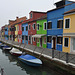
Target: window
x,y
26,28
67,23
49,25
29,27
29,38
66,42
5,29
33,26
31,15
37,26
26,37
49,39
22,28
37,40
45,26
15,28
23,37
60,24
59,40
34,39
45,40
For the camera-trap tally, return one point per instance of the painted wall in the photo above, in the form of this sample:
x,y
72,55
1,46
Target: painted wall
x,y
6,33
69,7
25,33
67,49
54,16
69,30
16,32
32,31
42,31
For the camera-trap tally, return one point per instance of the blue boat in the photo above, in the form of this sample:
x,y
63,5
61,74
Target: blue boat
x,y
30,60
3,45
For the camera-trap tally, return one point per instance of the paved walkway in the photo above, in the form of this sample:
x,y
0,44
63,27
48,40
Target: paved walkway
x,y
66,58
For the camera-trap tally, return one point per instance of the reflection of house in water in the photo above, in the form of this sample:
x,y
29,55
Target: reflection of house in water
x,y
10,57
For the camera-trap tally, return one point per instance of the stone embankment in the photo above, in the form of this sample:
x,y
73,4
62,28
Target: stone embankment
x,y
62,62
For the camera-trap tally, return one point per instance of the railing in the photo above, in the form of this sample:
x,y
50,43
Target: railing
x,y
67,57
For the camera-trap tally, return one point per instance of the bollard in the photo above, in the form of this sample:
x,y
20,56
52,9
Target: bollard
x,y
52,53
67,57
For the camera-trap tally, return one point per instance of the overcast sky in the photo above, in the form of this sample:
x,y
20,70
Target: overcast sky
x,y
9,9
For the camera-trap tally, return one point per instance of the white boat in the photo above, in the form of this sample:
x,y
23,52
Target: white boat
x,y
7,48
16,52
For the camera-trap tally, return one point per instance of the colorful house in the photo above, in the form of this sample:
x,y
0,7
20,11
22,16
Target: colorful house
x,y
34,15
55,24
41,32
69,31
19,22
25,33
55,27
6,32
3,32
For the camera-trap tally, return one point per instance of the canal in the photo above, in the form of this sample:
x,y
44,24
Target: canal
x,y
12,66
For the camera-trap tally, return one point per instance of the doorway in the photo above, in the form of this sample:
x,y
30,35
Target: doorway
x,y
54,43
40,42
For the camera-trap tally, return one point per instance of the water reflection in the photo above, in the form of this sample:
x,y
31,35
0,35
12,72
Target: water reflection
x,y
26,68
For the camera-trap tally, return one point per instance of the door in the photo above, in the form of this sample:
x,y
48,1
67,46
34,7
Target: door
x,y
73,48
31,39
41,42
54,42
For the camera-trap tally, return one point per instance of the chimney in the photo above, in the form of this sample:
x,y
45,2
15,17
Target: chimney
x,y
17,18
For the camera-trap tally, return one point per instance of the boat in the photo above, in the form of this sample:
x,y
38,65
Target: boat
x,y
16,52
7,48
1,46
0,43
30,60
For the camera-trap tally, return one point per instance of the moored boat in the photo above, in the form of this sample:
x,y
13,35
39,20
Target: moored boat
x,y
7,48
16,52
30,60
3,45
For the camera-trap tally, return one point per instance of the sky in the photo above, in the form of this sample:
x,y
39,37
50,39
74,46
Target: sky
x,y
10,9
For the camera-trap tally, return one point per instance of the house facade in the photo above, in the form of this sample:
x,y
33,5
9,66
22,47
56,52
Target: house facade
x,y
34,15
6,32
25,33
69,31
41,32
16,32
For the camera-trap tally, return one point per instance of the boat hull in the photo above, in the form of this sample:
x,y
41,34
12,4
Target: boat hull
x,y
16,54
30,63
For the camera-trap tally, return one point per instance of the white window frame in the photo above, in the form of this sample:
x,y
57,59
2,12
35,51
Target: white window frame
x,y
65,23
60,20
33,26
64,41
28,27
33,39
28,37
37,27
47,25
44,26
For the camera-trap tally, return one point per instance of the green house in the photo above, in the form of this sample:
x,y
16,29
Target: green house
x,y
41,32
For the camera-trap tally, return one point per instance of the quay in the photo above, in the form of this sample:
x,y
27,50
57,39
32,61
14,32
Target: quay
x,y
62,62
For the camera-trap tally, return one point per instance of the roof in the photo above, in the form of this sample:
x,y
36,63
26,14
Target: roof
x,y
60,7
71,11
37,12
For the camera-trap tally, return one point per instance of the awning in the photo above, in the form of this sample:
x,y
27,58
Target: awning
x,y
38,35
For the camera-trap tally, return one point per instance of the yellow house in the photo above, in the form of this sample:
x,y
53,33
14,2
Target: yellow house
x,y
69,31
16,32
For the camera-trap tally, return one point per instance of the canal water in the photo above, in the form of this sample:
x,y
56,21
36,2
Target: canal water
x,y
12,66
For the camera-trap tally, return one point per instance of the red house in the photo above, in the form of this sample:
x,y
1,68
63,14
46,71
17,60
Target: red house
x,y
34,15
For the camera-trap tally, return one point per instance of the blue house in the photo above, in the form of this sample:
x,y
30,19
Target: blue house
x,y
25,33
6,32
55,24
